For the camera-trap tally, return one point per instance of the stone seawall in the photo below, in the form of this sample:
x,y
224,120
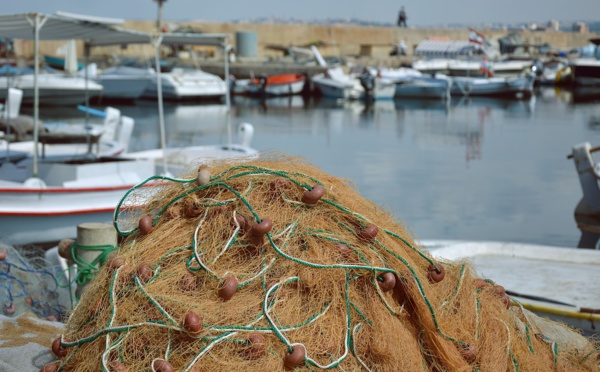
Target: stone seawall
x,y
373,43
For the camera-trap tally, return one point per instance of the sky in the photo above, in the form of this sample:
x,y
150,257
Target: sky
x,y
420,12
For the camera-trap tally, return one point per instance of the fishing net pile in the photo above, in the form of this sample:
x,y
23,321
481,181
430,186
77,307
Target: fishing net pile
x,y
274,264
31,284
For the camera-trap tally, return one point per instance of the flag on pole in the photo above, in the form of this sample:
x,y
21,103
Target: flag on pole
x,y
475,37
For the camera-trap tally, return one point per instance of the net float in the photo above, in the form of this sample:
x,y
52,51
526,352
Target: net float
x,y
480,283
280,183
343,249
192,322
50,367
262,227
468,352
436,274
116,262
506,301
203,175
386,281
499,290
144,272
9,308
188,282
229,288
58,350
295,358
314,195
64,248
145,225
256,347
161,365
117,366
368,233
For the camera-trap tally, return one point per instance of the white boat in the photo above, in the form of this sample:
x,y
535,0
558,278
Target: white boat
x,y
125,82
553,71
335,83
182,84
474,67
431,65
180,159
553,282
398,74
513,87
54,89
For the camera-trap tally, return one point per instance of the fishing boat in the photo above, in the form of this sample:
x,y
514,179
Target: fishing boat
x,y
553,282
277,85
335,83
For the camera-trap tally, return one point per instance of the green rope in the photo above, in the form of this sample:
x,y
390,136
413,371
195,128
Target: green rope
x,y
87,270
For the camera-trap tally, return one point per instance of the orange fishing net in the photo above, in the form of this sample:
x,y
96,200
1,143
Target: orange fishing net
x,y
274,264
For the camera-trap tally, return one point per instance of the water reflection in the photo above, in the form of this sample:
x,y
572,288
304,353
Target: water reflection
x,y
472,168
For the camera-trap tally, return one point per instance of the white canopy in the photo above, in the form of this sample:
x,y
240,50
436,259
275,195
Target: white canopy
x,y
94,31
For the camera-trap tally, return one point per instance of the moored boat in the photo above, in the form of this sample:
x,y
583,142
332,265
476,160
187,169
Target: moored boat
x,y
277,85
514,87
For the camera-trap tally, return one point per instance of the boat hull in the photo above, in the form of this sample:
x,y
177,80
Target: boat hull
x,y
519,87
44,215
424,88
277,85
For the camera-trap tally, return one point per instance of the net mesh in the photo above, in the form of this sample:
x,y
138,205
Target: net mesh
x,y
275,263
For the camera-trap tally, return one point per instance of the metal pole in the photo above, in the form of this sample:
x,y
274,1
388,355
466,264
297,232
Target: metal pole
x,y
227,98
37,24
161,117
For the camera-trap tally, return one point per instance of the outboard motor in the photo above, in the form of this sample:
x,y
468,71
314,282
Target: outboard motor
x,y
537,68
367,80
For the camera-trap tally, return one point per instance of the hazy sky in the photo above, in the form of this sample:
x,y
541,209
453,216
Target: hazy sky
x,y
421,12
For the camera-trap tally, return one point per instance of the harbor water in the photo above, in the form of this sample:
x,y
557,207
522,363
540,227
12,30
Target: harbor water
x,y
467,169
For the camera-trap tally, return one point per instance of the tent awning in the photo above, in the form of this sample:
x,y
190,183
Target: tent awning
x,y
95,31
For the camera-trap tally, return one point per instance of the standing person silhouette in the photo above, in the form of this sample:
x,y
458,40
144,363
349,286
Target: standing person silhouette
x,y
402,17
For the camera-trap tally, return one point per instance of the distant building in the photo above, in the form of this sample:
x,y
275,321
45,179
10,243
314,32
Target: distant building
x,y
581,27
553,25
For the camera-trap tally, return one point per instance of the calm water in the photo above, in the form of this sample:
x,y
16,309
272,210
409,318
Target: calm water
x,y
476,169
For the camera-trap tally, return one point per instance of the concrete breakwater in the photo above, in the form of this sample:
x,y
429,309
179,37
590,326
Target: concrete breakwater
x,y
370,45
